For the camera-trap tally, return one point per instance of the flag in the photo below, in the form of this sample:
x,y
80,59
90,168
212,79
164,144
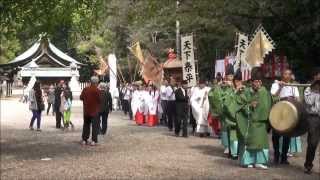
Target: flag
x,y
241,46
259,47
152,70
112,63
103,67
136,51
188,60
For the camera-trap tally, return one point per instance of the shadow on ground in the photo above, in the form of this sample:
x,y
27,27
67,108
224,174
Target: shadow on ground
x,y
210,150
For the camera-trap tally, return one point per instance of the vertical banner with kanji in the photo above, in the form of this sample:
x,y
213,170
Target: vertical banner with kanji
x,y
243,42
187,56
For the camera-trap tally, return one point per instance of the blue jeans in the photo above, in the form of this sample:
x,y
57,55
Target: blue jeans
x,y
36,114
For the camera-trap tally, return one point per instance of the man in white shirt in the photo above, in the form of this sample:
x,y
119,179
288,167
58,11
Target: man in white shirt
x,y
171,107
283,92
125,96
312,101
164,102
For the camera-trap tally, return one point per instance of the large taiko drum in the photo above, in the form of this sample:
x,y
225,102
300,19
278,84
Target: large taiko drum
x,y
288,117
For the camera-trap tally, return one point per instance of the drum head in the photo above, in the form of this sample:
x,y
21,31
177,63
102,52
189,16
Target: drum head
x,y
283,116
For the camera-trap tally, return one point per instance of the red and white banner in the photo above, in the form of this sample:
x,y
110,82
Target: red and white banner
x,y
246,71
274,65
221,64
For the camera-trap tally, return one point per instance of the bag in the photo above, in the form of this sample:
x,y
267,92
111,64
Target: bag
x,y
41,106
67,105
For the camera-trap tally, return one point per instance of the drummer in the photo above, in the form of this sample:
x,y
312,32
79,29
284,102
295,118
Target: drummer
x,y
282,92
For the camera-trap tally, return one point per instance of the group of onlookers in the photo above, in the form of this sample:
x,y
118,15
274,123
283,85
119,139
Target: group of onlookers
x,y
62,105
58,98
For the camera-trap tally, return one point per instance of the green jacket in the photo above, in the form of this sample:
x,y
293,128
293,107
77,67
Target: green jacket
x,y
220,100
252,122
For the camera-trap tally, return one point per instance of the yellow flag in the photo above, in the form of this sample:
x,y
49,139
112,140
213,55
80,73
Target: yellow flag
x,y
136,50
259,47
103,67
152,71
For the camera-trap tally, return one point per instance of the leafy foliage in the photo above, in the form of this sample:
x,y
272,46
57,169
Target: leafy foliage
x,y
91,28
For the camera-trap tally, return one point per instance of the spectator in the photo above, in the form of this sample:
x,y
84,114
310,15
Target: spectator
x,y
91,106
50,99
105,107
36,105
65,106
57,103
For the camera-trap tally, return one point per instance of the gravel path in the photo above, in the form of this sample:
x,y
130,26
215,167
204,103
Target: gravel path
x,y
127,152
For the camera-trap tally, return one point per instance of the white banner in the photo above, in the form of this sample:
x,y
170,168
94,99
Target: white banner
x,y
187,56
112,63
243,42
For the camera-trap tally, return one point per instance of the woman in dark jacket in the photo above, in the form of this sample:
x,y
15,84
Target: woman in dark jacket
x,y
36,105
105,107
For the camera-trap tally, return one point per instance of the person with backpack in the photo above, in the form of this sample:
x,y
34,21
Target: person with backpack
x,y
65,106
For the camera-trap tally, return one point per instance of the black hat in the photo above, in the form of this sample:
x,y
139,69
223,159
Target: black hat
x,y
229,70
238,75
202,81
256,73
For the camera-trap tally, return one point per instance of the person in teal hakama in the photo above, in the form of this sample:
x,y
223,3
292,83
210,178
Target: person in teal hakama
x,y
295,146
252,106
230,122
219,97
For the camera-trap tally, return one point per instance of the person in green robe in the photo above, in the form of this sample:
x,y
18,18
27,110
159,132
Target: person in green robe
x,y
252,106
219,98
216,97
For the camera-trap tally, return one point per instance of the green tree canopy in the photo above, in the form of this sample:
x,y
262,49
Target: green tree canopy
x,y
81,27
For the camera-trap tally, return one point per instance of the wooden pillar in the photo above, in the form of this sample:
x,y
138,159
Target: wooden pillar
x,y
7,88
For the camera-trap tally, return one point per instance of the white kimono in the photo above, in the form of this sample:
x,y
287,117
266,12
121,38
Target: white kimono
x,y
137,102
200,108
145,97
115,98
153,102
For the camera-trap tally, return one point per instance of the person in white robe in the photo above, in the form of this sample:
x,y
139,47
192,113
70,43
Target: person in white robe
x,y
193,122
141,100
153,102
135,101
200,108
115,98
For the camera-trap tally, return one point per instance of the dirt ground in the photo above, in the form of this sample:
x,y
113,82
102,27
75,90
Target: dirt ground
x,y
126,152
